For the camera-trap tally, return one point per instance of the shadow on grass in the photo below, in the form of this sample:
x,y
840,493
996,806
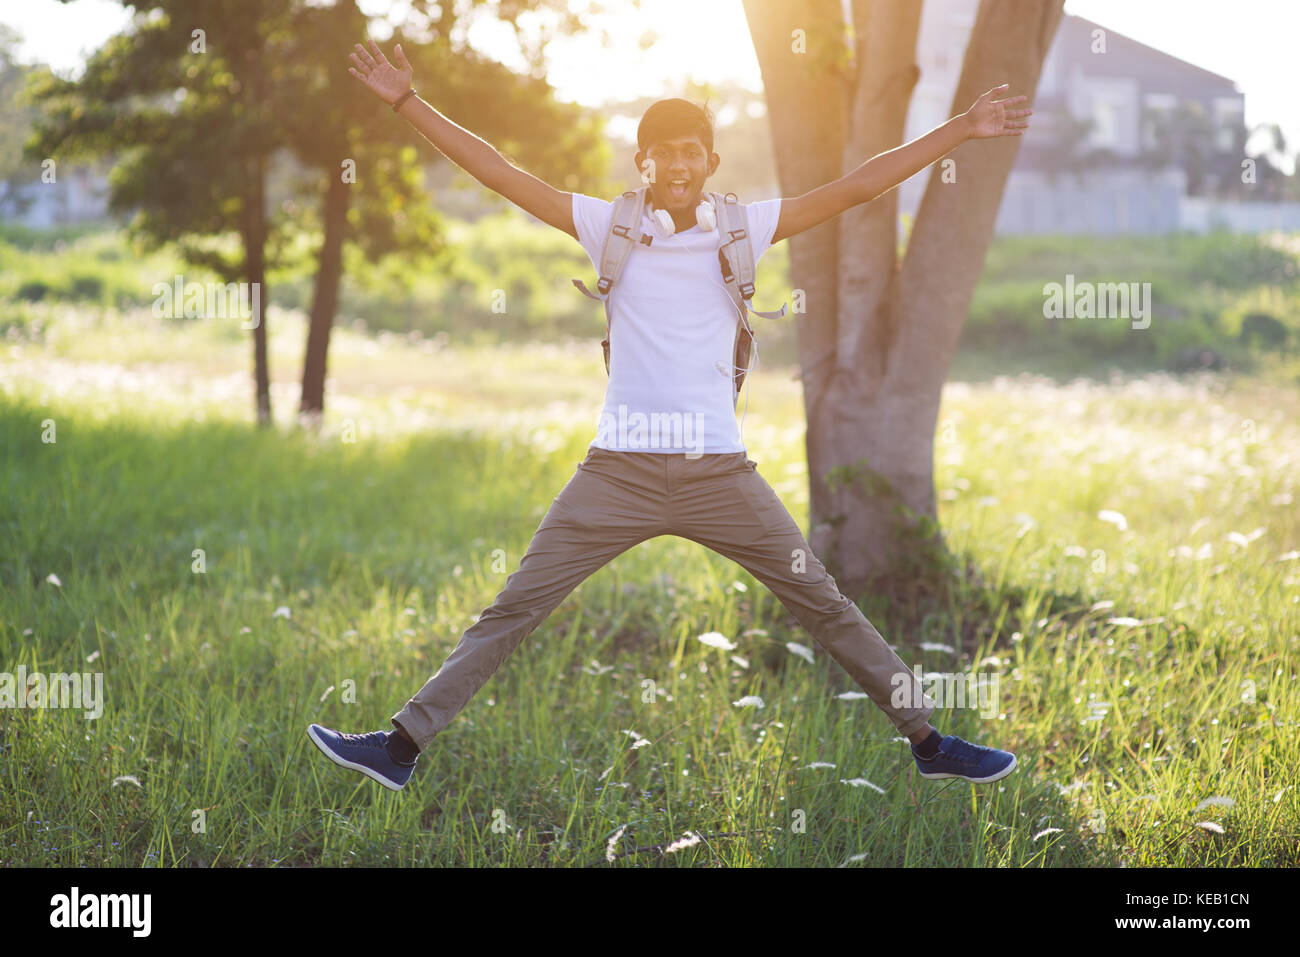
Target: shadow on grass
x,y
136,499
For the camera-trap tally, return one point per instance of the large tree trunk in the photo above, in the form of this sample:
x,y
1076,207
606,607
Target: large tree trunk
x,y
875,354
325,300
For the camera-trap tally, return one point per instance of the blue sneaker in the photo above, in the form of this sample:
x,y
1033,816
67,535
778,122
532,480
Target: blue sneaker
x,y
367,753
961,759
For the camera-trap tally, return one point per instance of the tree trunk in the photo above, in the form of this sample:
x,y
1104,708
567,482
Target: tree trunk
x,y
325,299
876,351
255,237
255,270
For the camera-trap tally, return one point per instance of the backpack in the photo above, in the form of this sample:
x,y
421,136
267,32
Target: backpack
x,y
735,258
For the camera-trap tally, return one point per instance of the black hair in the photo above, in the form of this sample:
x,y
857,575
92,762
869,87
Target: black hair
x,y
670,119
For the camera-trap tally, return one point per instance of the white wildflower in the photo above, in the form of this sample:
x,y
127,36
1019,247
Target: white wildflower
x,y
1240,540
1115,518
803,651
1216,802
715,639
690,840
637,740
609,848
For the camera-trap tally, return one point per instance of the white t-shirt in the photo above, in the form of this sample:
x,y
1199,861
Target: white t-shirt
x,y
672,335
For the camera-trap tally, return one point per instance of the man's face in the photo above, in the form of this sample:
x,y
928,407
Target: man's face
x,y
670,161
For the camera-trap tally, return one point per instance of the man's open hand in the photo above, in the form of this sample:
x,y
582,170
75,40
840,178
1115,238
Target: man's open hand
x,y
994,117
372,68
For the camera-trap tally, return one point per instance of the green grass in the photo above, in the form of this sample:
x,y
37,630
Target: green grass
x,y
385,548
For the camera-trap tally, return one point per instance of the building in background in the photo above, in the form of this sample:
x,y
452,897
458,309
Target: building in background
x,y
79,194
1125,138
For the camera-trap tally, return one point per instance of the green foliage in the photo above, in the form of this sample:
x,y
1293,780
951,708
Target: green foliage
x,y
95,268
33,290
197,133
1201,289
452,291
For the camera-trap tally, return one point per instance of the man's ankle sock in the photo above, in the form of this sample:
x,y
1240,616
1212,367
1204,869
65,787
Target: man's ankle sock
x,y
400,747
401,732
928,748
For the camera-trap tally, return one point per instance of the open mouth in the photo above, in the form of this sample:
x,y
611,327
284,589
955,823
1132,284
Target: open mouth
x,y
677,188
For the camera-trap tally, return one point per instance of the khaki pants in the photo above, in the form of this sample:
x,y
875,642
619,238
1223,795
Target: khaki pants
x,y
618,499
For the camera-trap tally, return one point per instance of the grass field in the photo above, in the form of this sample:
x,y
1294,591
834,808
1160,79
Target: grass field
x,y
1140,613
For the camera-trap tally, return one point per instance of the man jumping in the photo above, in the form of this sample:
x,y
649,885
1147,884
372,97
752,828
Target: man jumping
x,y
672,356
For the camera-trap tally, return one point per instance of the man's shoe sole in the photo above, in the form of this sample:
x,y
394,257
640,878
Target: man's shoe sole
x,y
368,772
961,777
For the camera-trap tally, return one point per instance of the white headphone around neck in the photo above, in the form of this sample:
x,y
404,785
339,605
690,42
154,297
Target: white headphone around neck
x,y
706,218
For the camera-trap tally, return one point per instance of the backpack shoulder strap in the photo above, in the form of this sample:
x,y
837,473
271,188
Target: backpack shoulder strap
x,y
730,223
737,254
619,241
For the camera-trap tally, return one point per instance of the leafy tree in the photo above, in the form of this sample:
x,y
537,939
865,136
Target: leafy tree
x,y
181,99
368,171
201,100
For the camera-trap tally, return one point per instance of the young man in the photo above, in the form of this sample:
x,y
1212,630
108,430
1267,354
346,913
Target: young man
x,y
671,351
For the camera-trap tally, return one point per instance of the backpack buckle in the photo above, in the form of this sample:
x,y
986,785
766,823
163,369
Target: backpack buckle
x,y
747,290
737,234
623,231
604,284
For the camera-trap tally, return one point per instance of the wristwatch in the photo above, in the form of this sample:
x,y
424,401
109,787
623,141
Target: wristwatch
x,y
397,104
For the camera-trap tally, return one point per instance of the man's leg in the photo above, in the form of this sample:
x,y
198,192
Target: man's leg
x,y
728,507
607,507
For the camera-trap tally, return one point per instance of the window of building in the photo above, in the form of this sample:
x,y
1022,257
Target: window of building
x,y
1156,110
1228,121
1105,124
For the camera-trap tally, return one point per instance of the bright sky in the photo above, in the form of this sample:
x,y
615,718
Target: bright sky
x,y
1249,41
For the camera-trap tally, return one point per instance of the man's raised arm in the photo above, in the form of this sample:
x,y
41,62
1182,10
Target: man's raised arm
x,y
473,155
987,118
